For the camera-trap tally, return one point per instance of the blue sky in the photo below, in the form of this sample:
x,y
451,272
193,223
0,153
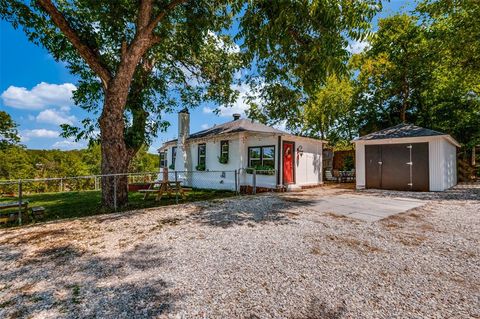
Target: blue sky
x,y
36,91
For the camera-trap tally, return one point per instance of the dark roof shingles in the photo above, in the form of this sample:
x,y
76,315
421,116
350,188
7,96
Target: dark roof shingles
x,y
242,125
399,131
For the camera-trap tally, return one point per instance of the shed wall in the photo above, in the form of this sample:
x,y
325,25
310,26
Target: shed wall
x,y
442,160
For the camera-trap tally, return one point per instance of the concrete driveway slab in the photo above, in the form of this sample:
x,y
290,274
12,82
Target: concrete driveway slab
x,y
366,208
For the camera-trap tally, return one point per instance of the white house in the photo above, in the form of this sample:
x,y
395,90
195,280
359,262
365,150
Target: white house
x,y
209,158
406,157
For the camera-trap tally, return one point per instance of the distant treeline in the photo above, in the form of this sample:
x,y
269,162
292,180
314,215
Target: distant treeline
x,y
16,162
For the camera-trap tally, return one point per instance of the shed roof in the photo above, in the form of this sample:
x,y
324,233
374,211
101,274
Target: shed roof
x,y
402,131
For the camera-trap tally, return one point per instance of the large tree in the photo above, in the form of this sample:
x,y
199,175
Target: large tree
x,y
134,60
415,72
393,72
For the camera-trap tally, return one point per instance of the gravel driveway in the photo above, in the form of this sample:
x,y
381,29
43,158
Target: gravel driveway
x,y
252,257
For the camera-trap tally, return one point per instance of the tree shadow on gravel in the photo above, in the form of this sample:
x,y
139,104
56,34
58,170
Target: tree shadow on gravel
x,y
321,310
247,211
65,281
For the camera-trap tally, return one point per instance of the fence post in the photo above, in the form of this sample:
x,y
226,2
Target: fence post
x,y
254,180
236,183
176,187
61,184
115,192
20,204
96,182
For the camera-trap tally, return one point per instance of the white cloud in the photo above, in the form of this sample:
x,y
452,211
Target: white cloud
x,y
205,126
39,97
207,110
355,47
41,132
68,145
52,116
26,135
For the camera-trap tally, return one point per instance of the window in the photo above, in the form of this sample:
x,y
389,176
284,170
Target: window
x,y
261,156
174,157
202,157
223,152
163,159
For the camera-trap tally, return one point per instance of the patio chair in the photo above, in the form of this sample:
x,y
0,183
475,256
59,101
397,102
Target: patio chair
x,y
329,177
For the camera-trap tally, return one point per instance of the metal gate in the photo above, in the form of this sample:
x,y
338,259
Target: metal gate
x,y
397,166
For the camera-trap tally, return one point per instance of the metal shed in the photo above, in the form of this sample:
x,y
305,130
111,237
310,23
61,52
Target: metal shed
x,y
406,157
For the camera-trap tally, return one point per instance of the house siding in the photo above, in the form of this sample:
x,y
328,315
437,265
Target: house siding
x,y
308,167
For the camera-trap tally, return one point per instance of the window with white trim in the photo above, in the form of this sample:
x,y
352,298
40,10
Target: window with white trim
x,y
261,157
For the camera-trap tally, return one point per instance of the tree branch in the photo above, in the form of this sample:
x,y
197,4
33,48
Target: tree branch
x,y
161,15
86,52
144,14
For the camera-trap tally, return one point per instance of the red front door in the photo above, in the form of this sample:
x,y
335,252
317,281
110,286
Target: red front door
x,y
288,158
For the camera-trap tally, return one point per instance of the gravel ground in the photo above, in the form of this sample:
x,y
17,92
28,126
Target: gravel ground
x,y
252,257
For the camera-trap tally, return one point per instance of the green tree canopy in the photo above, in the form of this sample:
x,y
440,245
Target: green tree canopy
x,y
8,131
328,112
297,45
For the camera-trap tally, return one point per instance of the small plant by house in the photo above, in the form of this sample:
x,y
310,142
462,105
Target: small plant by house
x,y
200,167
261,170
223,159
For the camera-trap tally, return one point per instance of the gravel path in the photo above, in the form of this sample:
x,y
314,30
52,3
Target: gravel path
x,y
253,257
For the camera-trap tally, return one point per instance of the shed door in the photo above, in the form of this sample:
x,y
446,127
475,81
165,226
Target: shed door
x,y
397,166
420,167
373,166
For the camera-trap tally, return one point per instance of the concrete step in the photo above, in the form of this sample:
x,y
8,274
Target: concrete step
x,y
293,188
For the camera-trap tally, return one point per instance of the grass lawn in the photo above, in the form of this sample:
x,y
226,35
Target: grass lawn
x,y
87,203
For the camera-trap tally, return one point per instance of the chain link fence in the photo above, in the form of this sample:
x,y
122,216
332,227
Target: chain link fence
x,y
65,196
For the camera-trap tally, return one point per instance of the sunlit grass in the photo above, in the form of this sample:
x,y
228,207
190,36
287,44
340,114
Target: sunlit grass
x,y
87,203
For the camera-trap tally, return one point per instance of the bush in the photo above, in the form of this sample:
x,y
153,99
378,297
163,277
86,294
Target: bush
x,y
348,163
200,167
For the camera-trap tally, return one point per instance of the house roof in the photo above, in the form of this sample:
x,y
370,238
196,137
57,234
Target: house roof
x,y
235,126
401,131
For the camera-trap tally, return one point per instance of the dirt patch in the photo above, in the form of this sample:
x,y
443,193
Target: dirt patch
x,y
355,244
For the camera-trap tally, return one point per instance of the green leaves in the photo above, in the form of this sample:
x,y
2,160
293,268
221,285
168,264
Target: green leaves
x,y
296,45
8,131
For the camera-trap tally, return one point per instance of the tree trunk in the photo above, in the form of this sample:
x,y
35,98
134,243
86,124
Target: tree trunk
x,y
116,156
